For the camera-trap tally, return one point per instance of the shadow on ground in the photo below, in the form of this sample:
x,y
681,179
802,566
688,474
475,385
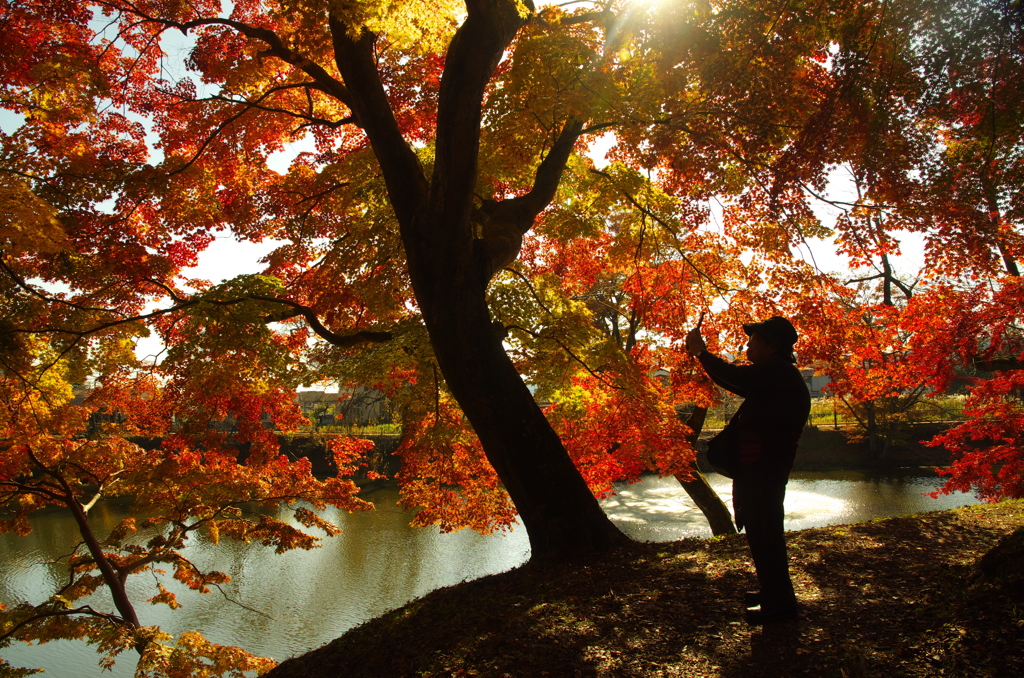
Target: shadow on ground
x,y
905,596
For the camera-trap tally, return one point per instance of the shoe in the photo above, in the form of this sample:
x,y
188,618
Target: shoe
x,y
751,598
760,615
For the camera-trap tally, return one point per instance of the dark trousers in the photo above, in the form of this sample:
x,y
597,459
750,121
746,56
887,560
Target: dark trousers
x,y
758,503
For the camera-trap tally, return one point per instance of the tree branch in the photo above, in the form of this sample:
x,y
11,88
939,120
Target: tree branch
x,y
345,341
533,290
403,174
523,210
570,353
85,609
633,201
275,47
999,364
306,312
310,119
603,18
504,223
18,281
473,55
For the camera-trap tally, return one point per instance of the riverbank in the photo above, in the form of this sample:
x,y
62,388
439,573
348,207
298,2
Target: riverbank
x,y
831,449
934,594
821,449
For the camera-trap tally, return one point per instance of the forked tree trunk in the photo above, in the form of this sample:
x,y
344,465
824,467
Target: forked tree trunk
x,y
450,272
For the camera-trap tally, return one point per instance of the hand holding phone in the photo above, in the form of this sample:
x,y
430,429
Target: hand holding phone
x,y
694,341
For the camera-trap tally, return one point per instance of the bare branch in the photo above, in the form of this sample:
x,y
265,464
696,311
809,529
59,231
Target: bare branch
x,y
533,290
570,352
240,603
85,609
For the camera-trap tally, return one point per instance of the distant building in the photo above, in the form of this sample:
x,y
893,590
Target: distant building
x,y
80,393
816,383
351,407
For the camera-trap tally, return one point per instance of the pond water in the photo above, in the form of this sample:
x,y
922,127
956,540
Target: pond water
x,y
307,598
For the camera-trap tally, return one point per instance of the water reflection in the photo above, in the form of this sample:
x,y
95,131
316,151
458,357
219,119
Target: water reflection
x,y
658,509
308,598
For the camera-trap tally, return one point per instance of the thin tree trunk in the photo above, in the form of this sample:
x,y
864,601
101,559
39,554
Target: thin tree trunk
x,y
1008,260
113,582
700,491
872,429
995,213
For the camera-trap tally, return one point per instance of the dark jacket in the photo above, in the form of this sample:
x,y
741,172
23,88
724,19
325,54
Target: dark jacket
x,y
774,410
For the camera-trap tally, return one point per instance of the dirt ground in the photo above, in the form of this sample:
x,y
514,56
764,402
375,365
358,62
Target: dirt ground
x,y
937,594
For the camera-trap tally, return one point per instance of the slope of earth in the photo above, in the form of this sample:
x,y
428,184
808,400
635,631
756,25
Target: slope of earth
x,y
937,594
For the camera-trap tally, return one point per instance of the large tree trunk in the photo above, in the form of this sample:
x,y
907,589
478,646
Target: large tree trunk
x,y
560,513
697,486
449,270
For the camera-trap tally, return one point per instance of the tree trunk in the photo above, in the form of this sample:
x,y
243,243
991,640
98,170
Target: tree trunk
x,y
995,216
558,510
1008,260
708,501
449,270
698,488
872,428
112,581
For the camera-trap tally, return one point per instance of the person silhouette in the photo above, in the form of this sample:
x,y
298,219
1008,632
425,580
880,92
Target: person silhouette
x,y
767,430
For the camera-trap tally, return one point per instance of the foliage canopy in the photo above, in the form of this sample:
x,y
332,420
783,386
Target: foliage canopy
x,y
445,229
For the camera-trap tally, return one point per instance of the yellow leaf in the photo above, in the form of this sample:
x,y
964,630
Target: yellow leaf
x,y
27,222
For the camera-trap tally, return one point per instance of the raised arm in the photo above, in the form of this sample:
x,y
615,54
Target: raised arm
x,y
736,379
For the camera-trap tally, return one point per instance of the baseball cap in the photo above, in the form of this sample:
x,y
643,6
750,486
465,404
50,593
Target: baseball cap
x,y
777,330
